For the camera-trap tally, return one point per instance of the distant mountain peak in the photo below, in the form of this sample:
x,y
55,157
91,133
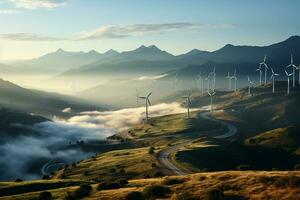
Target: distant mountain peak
x,y
60,50
293,38
111,51
93,52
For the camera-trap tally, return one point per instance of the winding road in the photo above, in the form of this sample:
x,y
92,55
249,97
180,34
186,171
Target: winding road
x,y
164,156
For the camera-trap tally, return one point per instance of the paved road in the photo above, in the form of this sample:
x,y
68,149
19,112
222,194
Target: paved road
x,y
164,156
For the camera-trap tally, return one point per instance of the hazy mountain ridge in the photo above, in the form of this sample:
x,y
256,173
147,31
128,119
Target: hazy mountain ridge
x,y
147,59
42,103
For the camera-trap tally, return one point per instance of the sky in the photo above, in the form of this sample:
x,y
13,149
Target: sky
x,y
31,28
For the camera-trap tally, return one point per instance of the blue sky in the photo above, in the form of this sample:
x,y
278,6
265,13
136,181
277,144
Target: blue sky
x,y
30,28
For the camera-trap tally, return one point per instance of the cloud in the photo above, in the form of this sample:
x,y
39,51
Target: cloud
x,y
117,32
28,37
50,140
9,12
144,29
151,78
34,4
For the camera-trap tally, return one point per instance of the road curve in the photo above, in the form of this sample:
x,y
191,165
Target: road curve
x,y
164,156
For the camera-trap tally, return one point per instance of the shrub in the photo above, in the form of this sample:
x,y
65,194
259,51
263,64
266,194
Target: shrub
x,y
158,174
151,150
85,186
108,186
156,191
45,196
202,178
183,196
45,177
134,195
243,167
123,181
70,196
18,180
173,181
215,194
293,181
297,167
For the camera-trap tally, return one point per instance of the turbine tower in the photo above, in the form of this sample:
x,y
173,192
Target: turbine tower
x,y
175,82
273,79
229,80
211,94
213,84
208,81
188,103
260,74
200,79
147,104
235,79
265,66
137,97
294,68
288,78
250,84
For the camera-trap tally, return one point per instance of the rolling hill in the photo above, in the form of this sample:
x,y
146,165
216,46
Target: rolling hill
x,y
41,103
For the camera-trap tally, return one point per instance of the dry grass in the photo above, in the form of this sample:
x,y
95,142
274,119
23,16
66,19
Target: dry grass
x,y
130,163
249,184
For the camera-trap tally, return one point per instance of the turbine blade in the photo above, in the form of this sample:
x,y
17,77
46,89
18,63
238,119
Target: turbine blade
x,y
149,95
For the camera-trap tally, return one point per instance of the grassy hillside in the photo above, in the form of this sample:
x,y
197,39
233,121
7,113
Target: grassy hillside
x,y
207,186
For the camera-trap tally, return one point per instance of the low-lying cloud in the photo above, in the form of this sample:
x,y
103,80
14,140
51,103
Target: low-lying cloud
x,y
151,78
23,156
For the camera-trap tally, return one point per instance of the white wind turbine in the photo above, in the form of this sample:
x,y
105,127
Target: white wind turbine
x,y
208,81
265,66
175,82
288,78
299,74
235,79
294,68
260,73
200,79
213,73
229,80
188,103
147,104
211,94
250,84
137,97
273,79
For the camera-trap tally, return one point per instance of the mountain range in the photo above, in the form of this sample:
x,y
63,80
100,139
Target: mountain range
x,y
152,60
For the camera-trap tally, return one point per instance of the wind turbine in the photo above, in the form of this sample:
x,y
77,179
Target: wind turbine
x,y
299,74
288,77
211,94
260,73
229,80
175,82
250,84
188,103
137,97
294,68
147,104
208,81
200,79
266,67
273,79
235,79
213,73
